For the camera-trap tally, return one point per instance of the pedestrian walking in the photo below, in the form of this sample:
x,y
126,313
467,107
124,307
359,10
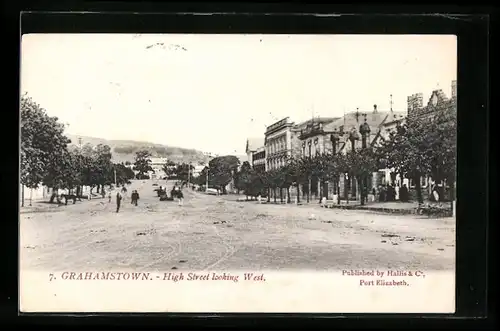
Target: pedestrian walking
x,y
124,191
118,201
180,196
109,197
134,197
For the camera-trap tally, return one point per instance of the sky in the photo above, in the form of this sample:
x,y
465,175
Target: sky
x,y
212,92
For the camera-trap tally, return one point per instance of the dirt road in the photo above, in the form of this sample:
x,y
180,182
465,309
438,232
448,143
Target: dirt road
x,y
216,232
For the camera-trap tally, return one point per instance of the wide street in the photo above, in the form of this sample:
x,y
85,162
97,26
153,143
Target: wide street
x,y
220,233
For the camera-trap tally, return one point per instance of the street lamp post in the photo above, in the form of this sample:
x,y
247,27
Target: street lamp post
x,y
208,170
364,129
334,138
353,137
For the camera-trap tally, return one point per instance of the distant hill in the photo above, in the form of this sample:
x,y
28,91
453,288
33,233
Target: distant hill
x,y
124,150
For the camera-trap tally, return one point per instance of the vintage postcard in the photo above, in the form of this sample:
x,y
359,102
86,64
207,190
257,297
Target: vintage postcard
x,y
238,173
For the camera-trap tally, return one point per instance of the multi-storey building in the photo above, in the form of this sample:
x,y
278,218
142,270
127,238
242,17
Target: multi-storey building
x,y
259,159
256,153
339,135
314,136
278,143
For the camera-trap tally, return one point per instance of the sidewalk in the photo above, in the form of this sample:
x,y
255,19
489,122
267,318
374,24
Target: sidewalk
x,y
43,205
395,207
385,207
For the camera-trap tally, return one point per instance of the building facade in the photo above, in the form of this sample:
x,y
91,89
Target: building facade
x,y
259,159
278,143
340,135
256,153
314,136
157,164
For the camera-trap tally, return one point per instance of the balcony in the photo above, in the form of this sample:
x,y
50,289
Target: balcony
x,y
311,130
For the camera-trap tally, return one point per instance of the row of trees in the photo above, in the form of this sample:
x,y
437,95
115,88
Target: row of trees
x,y
46,158
303,171
420,147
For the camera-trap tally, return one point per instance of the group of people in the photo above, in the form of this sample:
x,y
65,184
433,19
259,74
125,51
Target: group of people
x,y
134,197
387,193
177,193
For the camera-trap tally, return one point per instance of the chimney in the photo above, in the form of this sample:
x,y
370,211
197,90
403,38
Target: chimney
x,y
415,101
375,108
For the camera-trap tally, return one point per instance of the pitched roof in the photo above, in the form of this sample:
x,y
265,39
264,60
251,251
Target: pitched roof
x,y
322,120
254,143
374,120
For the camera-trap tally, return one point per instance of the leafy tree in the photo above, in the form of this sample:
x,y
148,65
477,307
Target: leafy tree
x,y
222,170
183,171
244,178
423,146
261,181
334,169
361,164
320,169
103,166
170,168
123,173
257,184
62,171
307,168
442,134
42,142
273,180
142,163
287,179
295,174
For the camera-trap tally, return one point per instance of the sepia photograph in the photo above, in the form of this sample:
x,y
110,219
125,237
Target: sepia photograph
x,y
237,173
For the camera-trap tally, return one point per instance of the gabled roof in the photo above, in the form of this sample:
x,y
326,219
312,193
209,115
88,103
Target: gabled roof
x,y
254,143
374,119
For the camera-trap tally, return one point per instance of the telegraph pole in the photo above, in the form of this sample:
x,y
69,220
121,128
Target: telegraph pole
x,y
206,187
